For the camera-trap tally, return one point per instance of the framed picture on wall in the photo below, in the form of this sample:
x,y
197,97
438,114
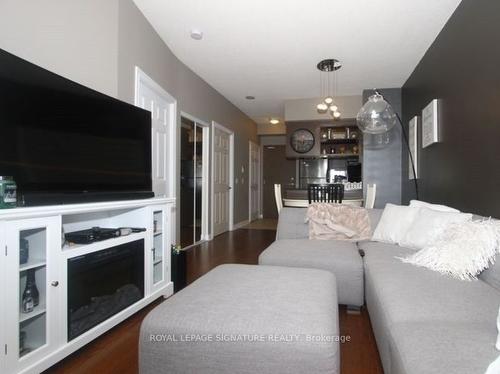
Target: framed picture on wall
x,y
413,146
430,124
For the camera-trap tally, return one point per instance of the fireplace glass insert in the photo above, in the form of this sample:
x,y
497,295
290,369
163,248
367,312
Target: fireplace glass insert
x,y
102,283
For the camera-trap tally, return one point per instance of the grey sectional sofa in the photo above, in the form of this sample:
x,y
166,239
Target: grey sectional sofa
x,y
424,322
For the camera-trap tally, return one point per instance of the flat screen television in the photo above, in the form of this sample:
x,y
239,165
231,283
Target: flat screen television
x,y
65,143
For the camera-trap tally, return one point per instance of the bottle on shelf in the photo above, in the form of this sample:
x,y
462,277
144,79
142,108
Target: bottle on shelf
x,y
31,297
28,303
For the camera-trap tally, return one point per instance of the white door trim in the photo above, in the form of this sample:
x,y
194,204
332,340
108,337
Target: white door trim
x,y
257,147
261,182
231,175
205,233
141,78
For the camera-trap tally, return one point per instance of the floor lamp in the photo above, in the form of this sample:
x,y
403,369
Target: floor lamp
x,y
378,117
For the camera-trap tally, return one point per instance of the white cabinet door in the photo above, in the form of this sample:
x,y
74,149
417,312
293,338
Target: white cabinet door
x,y
3,301
32,334
159,258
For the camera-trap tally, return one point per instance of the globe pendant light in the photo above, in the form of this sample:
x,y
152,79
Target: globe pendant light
x,y
328,87
376,116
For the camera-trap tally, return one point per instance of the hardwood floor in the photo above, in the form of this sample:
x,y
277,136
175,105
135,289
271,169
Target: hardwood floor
x,y
116,351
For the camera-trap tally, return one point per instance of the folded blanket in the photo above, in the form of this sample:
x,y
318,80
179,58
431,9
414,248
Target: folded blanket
x,y
338,222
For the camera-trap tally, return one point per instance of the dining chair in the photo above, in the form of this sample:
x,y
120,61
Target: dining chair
x,y
325,193
371,192
278,198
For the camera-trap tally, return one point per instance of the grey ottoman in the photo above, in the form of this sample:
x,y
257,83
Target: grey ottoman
x,y
339,257
245,319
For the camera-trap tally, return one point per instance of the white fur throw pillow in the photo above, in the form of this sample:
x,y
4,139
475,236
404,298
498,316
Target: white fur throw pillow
x,y
463,250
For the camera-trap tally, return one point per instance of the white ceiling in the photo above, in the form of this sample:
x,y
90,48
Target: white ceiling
x,y
270,48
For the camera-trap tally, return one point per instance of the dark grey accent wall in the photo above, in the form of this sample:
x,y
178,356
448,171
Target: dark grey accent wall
x,y
382,155
462,68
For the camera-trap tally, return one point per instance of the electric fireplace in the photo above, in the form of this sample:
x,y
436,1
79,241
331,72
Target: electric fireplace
x,y
102,283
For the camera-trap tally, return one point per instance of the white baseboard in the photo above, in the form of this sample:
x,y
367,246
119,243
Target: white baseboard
x,y
206,237
239,225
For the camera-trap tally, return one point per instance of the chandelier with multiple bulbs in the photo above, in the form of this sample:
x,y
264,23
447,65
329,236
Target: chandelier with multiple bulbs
x,y
328,86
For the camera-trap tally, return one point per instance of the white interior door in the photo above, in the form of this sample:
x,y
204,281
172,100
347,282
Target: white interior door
x,y
221,177
254,181
150,96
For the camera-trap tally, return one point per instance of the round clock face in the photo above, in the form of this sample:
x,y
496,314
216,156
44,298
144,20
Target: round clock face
x,y
302,140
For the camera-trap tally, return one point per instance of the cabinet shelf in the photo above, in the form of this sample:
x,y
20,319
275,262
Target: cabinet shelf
x,y
339,141
32,264
104,243
340,155
39,309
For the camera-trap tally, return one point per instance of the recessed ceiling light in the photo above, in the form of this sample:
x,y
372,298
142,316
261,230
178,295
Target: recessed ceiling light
x,y
274,121
196,34
249,97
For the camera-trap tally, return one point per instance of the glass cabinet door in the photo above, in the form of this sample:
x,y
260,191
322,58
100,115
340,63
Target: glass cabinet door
x,y
160,251
32,310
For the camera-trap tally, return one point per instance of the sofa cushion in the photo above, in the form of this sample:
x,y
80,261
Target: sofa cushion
x,y
292,224
402,299
437,347
492,274
410,293
374,215
339,257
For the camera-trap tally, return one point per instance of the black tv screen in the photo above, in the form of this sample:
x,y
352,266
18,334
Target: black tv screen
x,y
63,142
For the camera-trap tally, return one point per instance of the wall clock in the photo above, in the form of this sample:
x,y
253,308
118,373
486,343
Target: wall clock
x,y
302,140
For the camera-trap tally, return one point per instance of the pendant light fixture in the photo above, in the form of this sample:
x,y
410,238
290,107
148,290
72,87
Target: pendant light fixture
x,y
328,86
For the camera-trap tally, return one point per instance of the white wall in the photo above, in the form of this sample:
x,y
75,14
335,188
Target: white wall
x,y
269,129
75,39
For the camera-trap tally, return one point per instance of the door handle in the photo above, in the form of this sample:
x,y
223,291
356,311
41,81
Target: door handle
x,y
54,283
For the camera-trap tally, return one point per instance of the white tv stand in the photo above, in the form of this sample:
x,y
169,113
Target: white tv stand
x,y
47,325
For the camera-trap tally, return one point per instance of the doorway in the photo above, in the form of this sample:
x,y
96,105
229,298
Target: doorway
x,y
254,169
277,169
222,179
150,96
194,181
